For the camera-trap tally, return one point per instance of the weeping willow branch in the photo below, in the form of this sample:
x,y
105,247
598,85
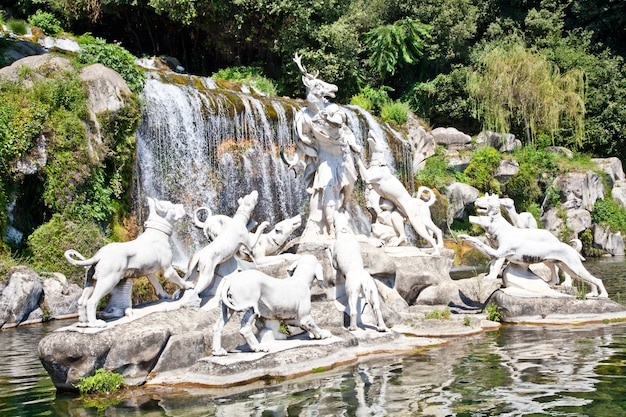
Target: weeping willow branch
x,y
514,86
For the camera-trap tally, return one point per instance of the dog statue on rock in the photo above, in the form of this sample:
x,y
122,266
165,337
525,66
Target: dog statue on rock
x,y
145,256
261,296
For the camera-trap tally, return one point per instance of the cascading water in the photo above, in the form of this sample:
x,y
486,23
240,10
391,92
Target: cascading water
x,y
201,145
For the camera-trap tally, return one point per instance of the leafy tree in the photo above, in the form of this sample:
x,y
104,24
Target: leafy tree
x,y
516,88
394,45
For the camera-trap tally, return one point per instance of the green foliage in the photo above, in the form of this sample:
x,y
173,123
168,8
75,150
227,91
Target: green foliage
x,y
516,88
493,312
97,50
101,382
609,214
437,314
252,76
394,45
47,244
467,321
373,99
586,238
444,100
395,112
17,26
481,169
436,173
45,21
362,101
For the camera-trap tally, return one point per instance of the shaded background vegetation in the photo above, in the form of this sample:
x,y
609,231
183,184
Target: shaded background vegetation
x,y
421,52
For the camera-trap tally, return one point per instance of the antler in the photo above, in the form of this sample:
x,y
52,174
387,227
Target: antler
x,y
298,60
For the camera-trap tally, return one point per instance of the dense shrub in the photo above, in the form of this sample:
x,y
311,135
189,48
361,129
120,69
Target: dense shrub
x,y
481,169
17,26
362,101
45,21
47,244
97,50
101,382
251,76
395,112
436,173
608,213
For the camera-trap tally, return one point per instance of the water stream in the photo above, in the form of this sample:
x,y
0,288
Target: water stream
x,y
516,371
201,145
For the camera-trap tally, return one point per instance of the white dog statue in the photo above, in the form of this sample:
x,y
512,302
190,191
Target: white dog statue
x,y
266,249
263,296
145,256
416,210
527,246
231,236
348,260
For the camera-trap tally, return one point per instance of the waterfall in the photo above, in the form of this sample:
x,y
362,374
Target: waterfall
x,y
202,145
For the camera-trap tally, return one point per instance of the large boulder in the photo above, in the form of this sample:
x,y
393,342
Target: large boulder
x,y
460,198
612,167
506,169
52,63
60,297
503,142
516,308
618,192
579,189
576,220
132,349
107,92
19,295
608,241
422,143
451,138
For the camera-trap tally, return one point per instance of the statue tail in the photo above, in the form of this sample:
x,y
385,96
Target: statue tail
x,y
72,254
431,199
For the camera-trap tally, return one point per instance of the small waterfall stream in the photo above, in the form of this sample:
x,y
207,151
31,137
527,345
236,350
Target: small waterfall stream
x,y
202,145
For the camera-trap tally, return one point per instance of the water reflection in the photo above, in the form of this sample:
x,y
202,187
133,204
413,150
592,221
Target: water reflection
x,y
516,371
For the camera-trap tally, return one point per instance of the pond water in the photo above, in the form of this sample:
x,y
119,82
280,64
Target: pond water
x,y
515,371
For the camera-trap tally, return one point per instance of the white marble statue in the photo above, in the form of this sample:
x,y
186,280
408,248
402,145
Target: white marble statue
x,y
232,235
527,246
145,256
266,249
523,220
325,145
414,209
261,296
388,225
348,260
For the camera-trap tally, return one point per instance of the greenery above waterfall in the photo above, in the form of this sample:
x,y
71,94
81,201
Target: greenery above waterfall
x,y
558,64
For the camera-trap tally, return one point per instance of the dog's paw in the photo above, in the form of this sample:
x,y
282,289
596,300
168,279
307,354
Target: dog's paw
x,y
261,348
220,352
382,329
325,334
98,324
188,285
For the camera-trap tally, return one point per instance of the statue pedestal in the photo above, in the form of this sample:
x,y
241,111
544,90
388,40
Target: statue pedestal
x,y
530,308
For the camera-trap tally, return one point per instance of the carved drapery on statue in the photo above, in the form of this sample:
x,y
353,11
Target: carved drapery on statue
x,y
325,145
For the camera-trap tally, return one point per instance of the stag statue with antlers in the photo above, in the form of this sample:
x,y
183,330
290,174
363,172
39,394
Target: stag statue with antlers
x,y
324,147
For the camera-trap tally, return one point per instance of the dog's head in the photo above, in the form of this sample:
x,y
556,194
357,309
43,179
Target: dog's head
x,y
341,221
377,147
165,210
288,226
488,205
247,204
309,266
